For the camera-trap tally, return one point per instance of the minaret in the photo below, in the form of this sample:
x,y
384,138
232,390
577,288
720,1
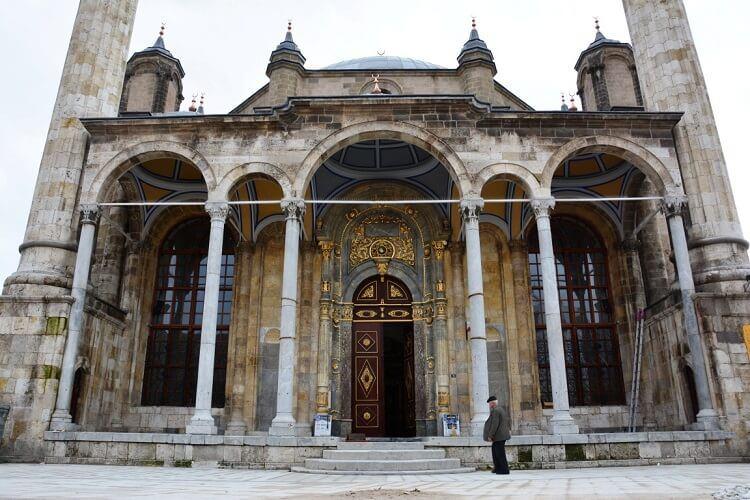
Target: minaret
x,y
90,87
666,55
285,69
153,80
476,66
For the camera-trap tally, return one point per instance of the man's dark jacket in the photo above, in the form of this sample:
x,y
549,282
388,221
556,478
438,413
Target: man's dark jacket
x,y
497,427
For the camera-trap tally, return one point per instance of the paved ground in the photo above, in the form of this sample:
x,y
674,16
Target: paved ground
x,y
96,481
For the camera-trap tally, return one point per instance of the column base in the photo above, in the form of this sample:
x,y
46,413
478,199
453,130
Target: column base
x,y
476,427
563,423
708,420
201,423
282,426
62,421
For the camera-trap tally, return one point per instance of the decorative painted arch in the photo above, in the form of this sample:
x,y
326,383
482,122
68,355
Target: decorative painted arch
x,y
636,155
382,130
95,189
238,173
509,171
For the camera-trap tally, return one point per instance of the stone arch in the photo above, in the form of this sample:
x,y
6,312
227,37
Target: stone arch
x,y
382,130
238,173
633,153
510,171
95,189
395,269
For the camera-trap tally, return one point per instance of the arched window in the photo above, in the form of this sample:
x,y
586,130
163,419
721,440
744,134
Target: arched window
x,y
174,336
592,356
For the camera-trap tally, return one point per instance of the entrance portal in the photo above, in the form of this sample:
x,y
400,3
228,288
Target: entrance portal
x,y
383,403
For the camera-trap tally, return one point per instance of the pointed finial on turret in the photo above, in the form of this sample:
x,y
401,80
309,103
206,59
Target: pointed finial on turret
x,y
200,106
163,27
473,22
192,107
563,107
288,37
596,23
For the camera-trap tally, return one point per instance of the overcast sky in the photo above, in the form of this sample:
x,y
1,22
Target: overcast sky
x,y
224,47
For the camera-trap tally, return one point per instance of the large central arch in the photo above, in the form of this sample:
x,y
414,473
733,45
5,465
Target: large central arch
x,y
382,130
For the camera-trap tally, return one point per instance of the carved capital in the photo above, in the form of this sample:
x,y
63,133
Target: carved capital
x,y
218,210
89,213
293,208
674,204
326,247
542,206
439,247
470,209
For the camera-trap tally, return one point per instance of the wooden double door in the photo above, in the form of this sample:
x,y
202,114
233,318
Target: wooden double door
x,y
383,402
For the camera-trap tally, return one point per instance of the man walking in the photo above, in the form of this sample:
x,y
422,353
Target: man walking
x,y
497,431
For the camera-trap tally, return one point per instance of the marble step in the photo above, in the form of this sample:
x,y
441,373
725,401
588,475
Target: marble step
x,y
461,470
380,445
383,454
393,466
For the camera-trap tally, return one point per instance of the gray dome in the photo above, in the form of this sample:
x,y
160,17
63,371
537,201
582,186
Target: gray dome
x,y
383,62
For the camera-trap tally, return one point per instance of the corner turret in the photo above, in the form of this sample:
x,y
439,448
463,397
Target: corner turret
x,y
286,68
476,65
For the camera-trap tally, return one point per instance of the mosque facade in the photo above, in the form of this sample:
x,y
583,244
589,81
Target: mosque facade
x,y
378,245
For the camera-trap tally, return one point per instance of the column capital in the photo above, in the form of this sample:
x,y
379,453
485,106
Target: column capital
x,y
674,204
542,206
326,247
89,213
470,208
217,209
293,208
439,248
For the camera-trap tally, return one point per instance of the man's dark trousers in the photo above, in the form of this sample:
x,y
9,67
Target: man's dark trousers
x,y
499,458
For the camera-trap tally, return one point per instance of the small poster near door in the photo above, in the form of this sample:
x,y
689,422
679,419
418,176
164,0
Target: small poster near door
x,y
451,426
322,425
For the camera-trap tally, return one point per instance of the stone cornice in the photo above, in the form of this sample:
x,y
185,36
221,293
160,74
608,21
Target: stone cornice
x,y
485,116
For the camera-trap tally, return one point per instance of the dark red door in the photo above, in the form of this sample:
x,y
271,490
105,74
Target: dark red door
x,y
378,300
368,411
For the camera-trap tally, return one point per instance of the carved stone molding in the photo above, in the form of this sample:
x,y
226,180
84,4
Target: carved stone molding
x,y
674,204
217,210
542,206
90,213
470,209
293,208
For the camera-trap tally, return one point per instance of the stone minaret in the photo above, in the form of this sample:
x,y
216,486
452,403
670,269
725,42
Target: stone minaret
x,y
90,87
672,80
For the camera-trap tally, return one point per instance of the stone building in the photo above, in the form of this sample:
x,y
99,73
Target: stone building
x,y
382,242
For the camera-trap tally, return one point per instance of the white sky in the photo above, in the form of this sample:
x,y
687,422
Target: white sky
x,y
224,47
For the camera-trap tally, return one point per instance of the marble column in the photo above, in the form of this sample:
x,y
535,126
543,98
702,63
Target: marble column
x,y
707,417
440,333
322,398
477,336
283,423
61,418
561,421
202,421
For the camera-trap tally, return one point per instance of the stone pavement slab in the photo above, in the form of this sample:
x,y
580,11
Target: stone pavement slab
x,y
95,481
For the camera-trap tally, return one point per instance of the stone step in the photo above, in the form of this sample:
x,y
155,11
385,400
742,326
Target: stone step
x,y
393,466
383,454
380,445
461,470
